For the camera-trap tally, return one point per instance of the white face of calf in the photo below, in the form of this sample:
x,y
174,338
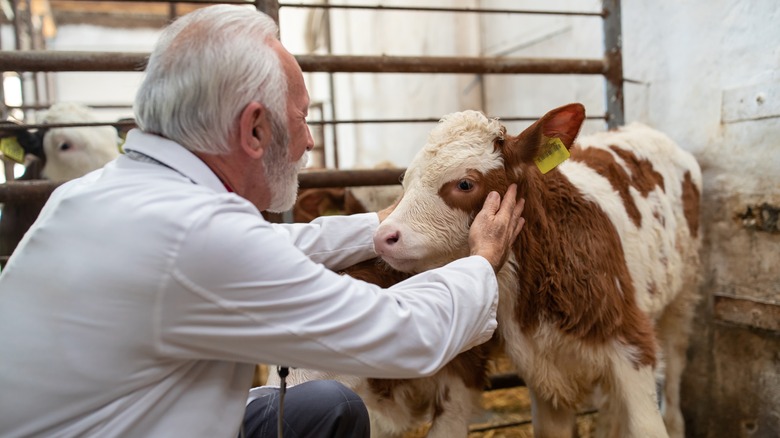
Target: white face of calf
x,y
444,187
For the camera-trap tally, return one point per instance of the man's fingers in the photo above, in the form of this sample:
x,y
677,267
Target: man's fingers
x,y
492,203
508,203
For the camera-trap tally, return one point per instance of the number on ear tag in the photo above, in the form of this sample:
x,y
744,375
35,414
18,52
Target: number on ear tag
x,y
551,154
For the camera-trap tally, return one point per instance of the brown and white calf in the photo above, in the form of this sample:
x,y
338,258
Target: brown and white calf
x,y
600,289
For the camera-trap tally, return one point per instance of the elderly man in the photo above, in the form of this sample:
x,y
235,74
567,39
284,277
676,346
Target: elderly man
x,y
145,293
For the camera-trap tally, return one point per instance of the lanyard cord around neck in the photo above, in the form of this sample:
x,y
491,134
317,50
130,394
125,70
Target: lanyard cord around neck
x,y
283,372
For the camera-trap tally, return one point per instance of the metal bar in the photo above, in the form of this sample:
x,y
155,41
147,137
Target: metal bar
x,y
43,106
22,192
268,7
426,120
334,132
439,9
613,56
375,7
30,191
31,60
409,64
196,2
131,123
21,126
22,60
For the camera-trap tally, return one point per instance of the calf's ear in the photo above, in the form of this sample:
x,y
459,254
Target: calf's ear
x,y
562,123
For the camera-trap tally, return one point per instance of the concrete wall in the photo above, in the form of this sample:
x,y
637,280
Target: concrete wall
x,y
710,78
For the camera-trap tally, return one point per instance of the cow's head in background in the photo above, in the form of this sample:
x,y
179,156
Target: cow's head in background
x,y
75,151
64,153
467,156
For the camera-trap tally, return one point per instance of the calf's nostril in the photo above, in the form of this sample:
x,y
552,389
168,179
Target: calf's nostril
x,y
393,238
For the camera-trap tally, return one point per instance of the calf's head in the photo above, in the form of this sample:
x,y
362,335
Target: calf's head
x,y
467,156
71,152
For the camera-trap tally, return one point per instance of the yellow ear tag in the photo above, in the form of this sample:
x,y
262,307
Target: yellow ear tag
x,y
551,154
121,144
11,148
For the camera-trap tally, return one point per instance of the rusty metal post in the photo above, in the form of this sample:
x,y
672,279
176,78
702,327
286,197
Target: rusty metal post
x,y
39,60
269,7
332,88
613,58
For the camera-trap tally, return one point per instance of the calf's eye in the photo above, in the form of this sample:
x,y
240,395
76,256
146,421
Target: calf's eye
x,y
465,185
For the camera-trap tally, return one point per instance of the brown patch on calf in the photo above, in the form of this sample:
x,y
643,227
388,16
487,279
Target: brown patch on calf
x,y
471,202
605,165
644,177
427,394
690,202
573,270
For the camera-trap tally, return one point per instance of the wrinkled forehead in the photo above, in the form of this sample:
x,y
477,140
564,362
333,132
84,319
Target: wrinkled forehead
x,y
460,142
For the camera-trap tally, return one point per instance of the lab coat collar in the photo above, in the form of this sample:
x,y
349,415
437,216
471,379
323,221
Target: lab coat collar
x,y
175,156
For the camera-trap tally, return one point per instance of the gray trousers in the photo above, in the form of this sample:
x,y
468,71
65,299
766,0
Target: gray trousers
x,y
320,408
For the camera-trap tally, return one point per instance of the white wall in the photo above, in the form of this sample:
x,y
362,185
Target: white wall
x,y
702,62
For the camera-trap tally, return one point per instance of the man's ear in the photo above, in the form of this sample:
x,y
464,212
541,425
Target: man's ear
x,y
254,129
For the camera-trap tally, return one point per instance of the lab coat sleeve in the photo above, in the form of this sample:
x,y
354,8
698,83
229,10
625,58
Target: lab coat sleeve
x,y
258,299
334,241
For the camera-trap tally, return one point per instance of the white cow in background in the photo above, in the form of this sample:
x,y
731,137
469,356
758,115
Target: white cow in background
x,y
71,152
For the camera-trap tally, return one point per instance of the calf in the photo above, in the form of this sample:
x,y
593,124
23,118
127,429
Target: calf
x,y
602,282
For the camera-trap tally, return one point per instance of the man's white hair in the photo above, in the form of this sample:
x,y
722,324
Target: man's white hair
x,y
206,67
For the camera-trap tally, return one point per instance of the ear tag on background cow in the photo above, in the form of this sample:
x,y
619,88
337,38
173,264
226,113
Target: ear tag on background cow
x,y
121,144
551,154
11,148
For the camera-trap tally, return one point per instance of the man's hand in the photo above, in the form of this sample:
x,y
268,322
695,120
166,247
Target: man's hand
x,y
496,227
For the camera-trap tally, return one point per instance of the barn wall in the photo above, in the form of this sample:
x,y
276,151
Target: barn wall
x,y
704,67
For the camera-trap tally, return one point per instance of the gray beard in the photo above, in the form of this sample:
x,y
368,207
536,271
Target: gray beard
x,y
282,178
